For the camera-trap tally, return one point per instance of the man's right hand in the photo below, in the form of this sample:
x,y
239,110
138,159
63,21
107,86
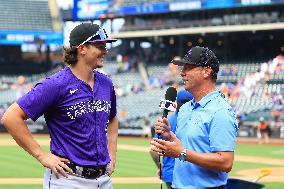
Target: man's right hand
x,y
55,163
162,128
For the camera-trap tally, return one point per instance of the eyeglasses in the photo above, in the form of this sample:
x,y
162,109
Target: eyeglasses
x,y
101,35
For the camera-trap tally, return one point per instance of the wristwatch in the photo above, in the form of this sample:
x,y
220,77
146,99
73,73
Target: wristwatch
x,y
182,156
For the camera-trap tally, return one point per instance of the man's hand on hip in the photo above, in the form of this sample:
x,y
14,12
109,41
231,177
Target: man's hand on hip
x,y
110,167
55,163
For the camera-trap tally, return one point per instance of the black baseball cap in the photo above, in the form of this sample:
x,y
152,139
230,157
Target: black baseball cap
x,y
200,56
88,33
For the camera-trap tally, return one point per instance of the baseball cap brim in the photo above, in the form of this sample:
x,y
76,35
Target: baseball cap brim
x,y
180,62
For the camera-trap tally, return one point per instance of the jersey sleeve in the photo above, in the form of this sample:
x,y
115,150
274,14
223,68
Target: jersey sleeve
x,y
223,131
39,99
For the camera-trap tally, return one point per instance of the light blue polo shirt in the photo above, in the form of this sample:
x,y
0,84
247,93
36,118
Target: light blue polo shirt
x,y
209,125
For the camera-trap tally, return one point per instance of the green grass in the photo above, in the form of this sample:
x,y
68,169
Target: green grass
x,y
134,141
274,185
20,186
260,151
22,165
121,140
134,164
15,162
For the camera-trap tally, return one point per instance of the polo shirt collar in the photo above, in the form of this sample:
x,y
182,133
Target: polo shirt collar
x,y
208,98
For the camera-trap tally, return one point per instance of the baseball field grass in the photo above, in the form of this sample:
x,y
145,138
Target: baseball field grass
x,y
16,163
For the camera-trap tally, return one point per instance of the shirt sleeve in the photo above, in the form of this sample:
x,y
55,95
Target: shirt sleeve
x,y
39,99
113,105
223,131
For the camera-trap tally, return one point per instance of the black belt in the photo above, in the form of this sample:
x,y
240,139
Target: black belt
x,y
218,187
87,172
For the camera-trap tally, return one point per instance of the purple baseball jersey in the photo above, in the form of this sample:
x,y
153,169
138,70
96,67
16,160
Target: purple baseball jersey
x,y
76,116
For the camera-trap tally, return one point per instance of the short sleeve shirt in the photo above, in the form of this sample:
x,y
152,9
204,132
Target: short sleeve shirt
x,y
77,116
207,126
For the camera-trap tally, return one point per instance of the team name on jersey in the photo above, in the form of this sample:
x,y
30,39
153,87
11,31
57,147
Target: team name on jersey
x,y
82,108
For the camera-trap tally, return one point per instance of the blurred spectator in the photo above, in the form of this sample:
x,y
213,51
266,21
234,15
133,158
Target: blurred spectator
x,y
122,64
277,98
224,89
170,75
133,63
21,87
146,127
174,72
2,111
263,129
233,70
154,82
281,130
276,114
241,118
136,88
3,85
119,91
223,71
122,118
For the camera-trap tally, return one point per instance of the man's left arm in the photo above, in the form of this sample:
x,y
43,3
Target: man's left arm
x,y
112,133
218,161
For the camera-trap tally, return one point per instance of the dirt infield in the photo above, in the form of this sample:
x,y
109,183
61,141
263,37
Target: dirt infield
x,y
277,174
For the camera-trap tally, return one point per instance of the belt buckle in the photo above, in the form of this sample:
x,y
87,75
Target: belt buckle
x,y
79,170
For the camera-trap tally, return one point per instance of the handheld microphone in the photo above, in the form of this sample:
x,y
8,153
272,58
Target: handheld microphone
x,y
168,104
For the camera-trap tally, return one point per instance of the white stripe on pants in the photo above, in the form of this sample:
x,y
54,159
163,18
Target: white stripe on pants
x,y
74,182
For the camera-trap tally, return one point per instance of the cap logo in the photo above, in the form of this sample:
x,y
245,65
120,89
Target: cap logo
x,y
188,55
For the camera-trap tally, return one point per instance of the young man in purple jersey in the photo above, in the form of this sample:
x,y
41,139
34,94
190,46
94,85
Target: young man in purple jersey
x,y
79,106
